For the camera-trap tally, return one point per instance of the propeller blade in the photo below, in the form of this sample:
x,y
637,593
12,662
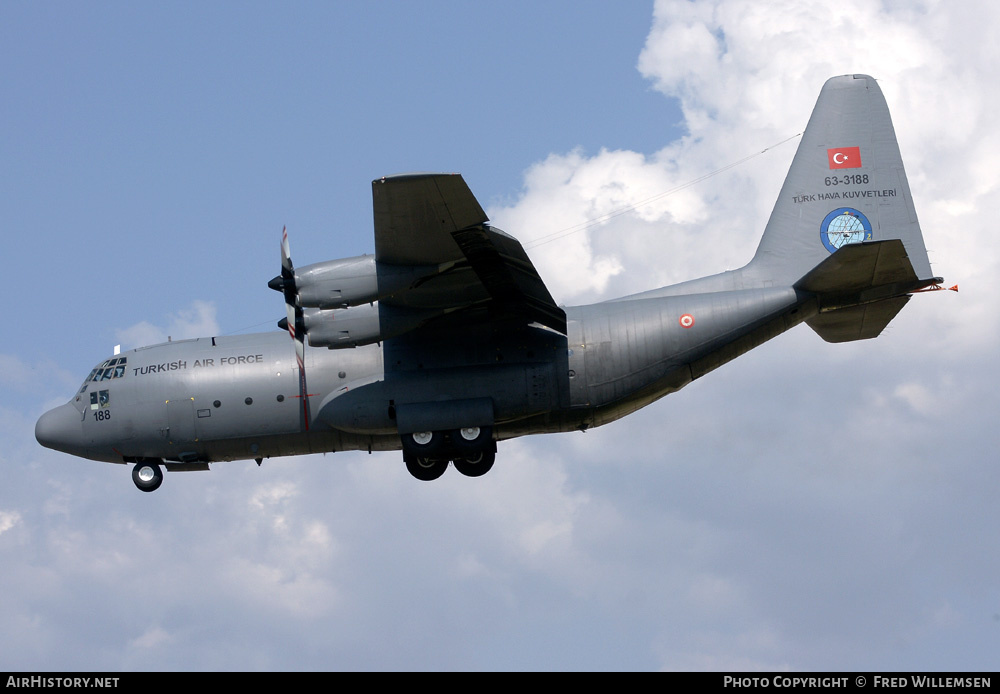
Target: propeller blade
x,y
286,256
285,283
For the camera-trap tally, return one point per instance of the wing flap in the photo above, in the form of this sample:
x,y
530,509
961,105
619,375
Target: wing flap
x,y
503,267
434,220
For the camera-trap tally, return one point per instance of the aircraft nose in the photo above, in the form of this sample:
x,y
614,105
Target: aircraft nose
x,y
59,428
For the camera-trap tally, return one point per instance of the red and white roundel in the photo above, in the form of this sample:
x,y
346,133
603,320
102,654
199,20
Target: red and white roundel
x,y
687,320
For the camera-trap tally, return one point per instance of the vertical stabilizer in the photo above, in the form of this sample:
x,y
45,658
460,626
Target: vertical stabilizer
x,y
846,185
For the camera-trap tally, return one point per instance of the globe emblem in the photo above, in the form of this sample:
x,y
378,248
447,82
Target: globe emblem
x,y
844,226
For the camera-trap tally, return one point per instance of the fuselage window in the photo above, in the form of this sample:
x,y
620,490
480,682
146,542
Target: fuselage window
x,y
99,399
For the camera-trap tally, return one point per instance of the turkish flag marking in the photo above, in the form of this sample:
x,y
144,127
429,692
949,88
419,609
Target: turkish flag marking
x,y
844,157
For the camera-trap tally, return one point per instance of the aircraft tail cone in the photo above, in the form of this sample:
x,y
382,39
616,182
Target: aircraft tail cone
x,y
936,288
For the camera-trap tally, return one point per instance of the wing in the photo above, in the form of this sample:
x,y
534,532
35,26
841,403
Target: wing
x,y
434,221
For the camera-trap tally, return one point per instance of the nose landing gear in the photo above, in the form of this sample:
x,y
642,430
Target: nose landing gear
x,y
147,476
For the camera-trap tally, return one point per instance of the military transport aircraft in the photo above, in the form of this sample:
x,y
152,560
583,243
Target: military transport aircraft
x,y
446,341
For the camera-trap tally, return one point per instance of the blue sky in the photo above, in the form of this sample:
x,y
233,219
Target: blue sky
x,y
189,132
807,507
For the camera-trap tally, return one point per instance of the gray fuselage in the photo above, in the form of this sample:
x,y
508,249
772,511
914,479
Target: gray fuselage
x,y
228,398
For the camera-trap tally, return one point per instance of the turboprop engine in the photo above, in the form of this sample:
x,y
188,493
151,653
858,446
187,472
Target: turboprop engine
x,y
348,282
360,325
335,303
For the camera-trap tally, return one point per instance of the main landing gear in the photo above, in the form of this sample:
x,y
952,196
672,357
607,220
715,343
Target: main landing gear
x,y
471,449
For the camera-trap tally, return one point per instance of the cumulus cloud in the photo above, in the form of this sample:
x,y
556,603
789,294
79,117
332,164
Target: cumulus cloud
x,y
746,75
197,321
8,519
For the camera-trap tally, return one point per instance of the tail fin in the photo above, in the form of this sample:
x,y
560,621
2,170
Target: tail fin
x,y
846,186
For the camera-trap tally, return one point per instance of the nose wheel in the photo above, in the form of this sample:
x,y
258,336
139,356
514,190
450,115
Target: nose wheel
x,y
147,476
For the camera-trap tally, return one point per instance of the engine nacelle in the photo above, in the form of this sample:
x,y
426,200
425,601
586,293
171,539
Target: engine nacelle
x,y
352,282
360,325
337,283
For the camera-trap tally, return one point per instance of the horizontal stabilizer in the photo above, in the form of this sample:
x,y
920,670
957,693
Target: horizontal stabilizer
x,y
862,266
860,288
856,322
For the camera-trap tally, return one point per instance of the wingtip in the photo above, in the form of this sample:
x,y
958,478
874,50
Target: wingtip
x,y
412,176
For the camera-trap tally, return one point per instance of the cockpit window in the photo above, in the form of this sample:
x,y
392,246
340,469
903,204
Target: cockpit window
x,y
112,368
86,381
106,371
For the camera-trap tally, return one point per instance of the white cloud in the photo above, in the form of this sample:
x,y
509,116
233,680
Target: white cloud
x,y
197,321
747,75
8,519
271,496
152,638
